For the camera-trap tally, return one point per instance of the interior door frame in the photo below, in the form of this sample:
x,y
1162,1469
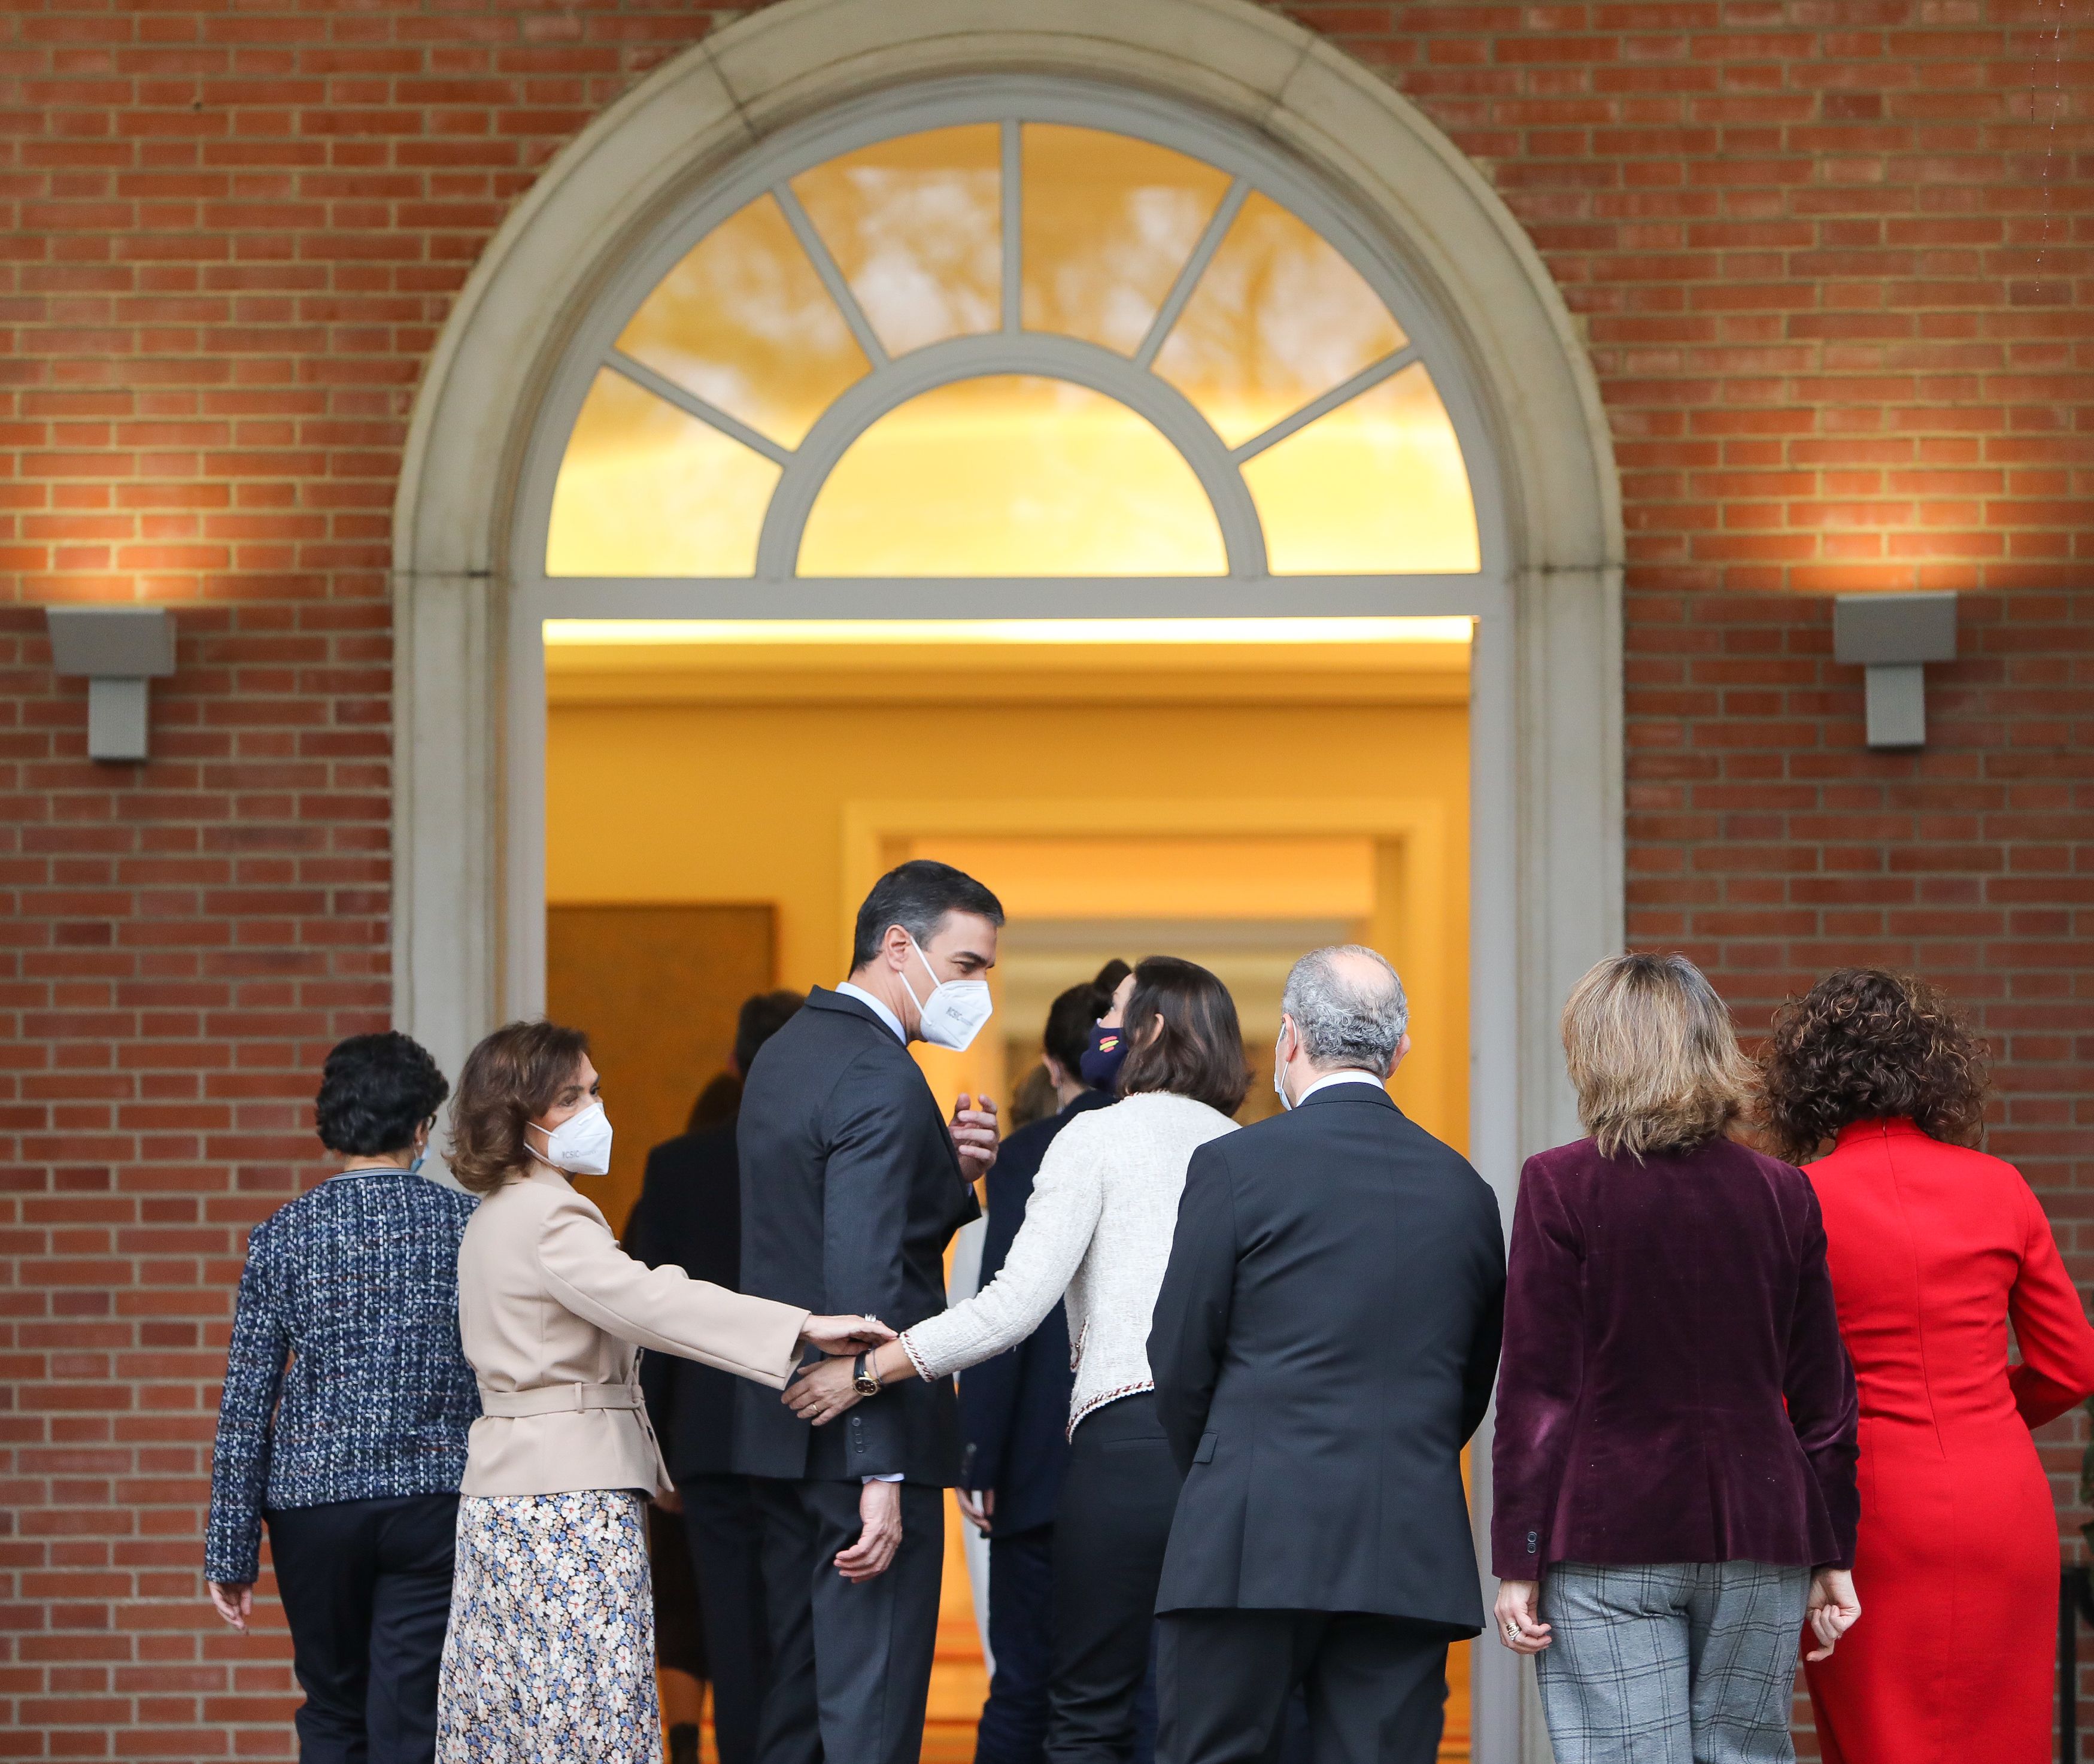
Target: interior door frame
x,y
1415,825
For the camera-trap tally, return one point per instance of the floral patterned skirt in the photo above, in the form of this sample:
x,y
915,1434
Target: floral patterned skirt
x,y
550,1655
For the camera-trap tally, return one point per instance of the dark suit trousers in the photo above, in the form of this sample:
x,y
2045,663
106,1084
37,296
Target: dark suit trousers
x,y
720,1524
1118,1496
367,1589
850,1665
1021,1630
1377,1686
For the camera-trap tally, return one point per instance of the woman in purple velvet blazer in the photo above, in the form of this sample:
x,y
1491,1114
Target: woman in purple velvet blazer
x,y
1672,1472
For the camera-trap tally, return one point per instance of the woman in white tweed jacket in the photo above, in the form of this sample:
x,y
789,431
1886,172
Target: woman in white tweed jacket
x,y
1097,1231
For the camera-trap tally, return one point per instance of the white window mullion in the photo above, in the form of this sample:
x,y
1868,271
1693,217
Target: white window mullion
x,y
691,405
1344,392
1195,266
1013,267
832,277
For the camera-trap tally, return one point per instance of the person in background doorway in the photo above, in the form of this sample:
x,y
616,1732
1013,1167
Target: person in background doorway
x,y
719,1101
1097,1068
1673,1471
354,1452
1098,1228
688,1215
1935,1249
1107,1050
549,1656
1014,1412
1324,1345
853,1183
1031,1099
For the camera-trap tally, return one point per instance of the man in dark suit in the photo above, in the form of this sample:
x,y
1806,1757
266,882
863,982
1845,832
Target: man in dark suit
x,y
852,1184
1323,1345
689,1214
1015,1419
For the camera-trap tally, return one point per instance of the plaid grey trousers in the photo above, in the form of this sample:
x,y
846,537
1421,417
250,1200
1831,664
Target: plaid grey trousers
x,y
1688,1662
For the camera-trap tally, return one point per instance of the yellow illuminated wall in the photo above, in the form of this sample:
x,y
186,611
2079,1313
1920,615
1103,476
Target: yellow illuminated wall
x,y
1100,783
1127,783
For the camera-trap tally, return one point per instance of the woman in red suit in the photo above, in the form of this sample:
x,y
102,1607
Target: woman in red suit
x,y
1934,1249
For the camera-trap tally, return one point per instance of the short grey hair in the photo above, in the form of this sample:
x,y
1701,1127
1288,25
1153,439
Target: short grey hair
x,y
1347,1019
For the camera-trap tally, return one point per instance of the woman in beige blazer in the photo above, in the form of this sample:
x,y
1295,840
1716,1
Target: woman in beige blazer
x,y
549,1657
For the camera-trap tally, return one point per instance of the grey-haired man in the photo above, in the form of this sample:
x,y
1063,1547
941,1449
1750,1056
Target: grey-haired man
x,y
1324,1344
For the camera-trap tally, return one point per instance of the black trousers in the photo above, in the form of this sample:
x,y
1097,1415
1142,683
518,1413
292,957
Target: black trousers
x,y
720,1527
850,1665
1020,1632
1118,1497
679,1632
1377,1686
367,1588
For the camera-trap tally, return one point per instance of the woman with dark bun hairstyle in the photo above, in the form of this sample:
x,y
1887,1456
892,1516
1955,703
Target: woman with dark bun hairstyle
x,y
344,1419
1935,1248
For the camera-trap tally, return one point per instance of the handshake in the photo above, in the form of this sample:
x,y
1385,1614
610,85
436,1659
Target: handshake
x,y
824,1390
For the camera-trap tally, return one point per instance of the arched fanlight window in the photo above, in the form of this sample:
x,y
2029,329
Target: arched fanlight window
x,y
1019,347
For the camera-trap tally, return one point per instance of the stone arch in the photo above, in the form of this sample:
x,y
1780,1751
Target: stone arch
x,y
1547,810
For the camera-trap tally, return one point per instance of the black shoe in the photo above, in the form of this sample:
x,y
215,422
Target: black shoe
x,y
683,1743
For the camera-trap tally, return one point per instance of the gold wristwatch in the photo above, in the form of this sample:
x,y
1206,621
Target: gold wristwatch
x,y
863,1379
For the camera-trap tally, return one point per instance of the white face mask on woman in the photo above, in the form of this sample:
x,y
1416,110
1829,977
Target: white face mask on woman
x,y
954,1013
580,1144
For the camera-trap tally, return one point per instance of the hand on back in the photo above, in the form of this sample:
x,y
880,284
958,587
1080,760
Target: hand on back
x,y
844,1335
822,1391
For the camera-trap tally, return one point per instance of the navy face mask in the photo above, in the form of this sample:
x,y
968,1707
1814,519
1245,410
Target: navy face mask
x,y
1100,1066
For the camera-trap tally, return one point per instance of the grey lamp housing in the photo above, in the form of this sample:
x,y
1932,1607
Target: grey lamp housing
x,y
1893,636
118,649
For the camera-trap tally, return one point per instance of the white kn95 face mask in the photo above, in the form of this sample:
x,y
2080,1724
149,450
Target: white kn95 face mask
x,y
1279,1067
580,1144
954,1013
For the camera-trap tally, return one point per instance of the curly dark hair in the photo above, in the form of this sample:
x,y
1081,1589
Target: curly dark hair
x,y
1865,1046
375,1091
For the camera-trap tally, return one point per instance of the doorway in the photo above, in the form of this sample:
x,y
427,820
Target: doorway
x,y
717,802
796,86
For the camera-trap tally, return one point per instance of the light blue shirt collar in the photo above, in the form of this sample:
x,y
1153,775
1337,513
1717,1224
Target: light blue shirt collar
x,y
879,1004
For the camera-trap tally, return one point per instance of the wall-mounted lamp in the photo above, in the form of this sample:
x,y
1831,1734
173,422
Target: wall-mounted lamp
x,y
1894,636
118,649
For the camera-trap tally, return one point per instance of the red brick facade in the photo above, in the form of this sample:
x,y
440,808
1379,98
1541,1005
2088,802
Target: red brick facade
x,y
1834,264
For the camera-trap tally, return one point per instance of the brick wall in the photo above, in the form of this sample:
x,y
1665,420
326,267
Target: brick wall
x,y
1832,260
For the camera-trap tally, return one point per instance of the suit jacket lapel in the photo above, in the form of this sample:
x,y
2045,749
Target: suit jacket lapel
x,y
944,1134
821,999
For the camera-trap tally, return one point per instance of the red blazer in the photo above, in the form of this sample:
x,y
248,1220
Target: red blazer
x,y
1673,1386
1935,1250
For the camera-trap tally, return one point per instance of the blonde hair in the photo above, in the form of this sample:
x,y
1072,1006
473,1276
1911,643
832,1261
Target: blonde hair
x,y
1653,1054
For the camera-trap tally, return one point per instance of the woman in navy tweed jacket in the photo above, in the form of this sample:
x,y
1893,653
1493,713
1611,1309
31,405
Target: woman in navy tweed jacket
x,y
351,1453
